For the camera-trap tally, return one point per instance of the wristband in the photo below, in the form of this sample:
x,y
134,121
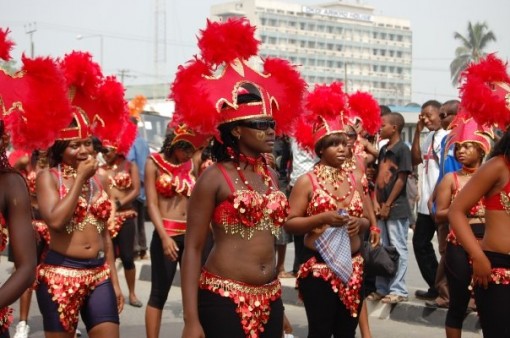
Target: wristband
x,y
373,228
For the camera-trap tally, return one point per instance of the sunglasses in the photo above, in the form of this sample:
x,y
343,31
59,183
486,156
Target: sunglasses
x,y
259,124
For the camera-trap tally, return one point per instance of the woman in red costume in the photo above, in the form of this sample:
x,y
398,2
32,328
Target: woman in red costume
x,y
237,292
472,143
33,97
169,179
327,206
484,95
124,186
74,203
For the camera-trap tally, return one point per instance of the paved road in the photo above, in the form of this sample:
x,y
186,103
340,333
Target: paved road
x,y
132,319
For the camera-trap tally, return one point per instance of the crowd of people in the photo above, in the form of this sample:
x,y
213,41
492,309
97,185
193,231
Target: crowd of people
x,y
225,202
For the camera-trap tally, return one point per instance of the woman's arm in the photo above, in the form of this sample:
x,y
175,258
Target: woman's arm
x,y
135,183
443,198
200,210
481,184
298,223
21,238
57,212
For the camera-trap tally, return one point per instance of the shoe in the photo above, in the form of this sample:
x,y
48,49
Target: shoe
x,y
374,296
393,299
143,254
22,330
136,303
427,295
434,304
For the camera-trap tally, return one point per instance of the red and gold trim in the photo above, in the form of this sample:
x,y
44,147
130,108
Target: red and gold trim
x,y
80,131
253,302
6,319
174,228
120,218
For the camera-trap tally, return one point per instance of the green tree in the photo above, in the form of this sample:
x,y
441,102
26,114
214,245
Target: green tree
x,y
471,49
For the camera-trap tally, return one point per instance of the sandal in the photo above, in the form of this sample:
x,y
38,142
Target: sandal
x,y
285,274
394,299
374,296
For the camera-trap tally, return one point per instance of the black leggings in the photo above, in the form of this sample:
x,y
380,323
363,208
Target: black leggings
x,y
493,303
458,275
219,318
163,270
124,243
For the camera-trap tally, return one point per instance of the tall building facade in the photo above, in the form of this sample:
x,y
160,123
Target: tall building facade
x,y
334,41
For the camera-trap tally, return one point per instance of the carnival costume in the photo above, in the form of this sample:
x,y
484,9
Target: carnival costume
x,y
485,96
34,96
206,92
88,288
330,282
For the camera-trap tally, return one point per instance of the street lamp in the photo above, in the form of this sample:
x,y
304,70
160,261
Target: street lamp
x,y
81,37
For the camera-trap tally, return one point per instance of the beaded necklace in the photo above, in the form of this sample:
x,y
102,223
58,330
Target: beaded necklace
x,y
259,166
66,171
326,173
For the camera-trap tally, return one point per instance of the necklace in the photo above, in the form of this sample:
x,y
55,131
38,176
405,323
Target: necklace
x,y
326,173
67,171
259,166
468,171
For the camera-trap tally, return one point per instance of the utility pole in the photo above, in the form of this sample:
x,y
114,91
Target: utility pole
x,y
124,73
159,41
30,29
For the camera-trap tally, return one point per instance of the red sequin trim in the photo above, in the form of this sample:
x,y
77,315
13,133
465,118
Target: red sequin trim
x,y
121,181
253,302
6,319
120,218
69,287
348,294
42,230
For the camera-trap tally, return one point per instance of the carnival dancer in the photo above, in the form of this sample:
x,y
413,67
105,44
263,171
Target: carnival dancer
x,y
484,95
237,292
169,179
472,143
327,205
74,203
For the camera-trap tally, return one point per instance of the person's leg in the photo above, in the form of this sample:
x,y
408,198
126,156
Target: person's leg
x,y
441,283
458,272
398,230
141,239
364,326
99,312
424,251
126,238
382,283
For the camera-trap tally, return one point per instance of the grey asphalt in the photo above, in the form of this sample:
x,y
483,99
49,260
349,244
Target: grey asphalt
x,y
409,319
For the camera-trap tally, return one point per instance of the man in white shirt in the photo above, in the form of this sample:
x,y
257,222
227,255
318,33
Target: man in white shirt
x,y
427,153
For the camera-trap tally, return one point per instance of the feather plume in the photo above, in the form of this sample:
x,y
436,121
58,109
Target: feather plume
x,y
127,136
6,45
327,101
480,94
226,41
110,111
303,133
364,106
289,92
46,107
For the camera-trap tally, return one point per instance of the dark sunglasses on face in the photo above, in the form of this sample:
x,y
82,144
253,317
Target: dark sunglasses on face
x,y
259,124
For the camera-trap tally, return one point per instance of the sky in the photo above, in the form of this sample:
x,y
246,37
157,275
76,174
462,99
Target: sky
x,y
120,34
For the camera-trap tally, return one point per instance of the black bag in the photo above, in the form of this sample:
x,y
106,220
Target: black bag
x,y
381,260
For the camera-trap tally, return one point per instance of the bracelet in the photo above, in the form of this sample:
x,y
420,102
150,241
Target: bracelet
x,y
118,205
374,228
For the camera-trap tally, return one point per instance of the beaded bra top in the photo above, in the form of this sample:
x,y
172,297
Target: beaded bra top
x,y
86,212
478,210
30,178
122,179
500,201
174,178
323,201
247,210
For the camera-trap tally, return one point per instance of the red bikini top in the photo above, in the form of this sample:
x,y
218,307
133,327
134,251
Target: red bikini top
x,y
500,201
245,211
122,179
478,210
31,182
86,212
174,178
322,201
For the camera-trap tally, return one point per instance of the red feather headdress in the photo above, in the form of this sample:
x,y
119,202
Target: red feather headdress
x,y
33,101
365,107
327,113
5,45
485,93
84,78
206,89
466,129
